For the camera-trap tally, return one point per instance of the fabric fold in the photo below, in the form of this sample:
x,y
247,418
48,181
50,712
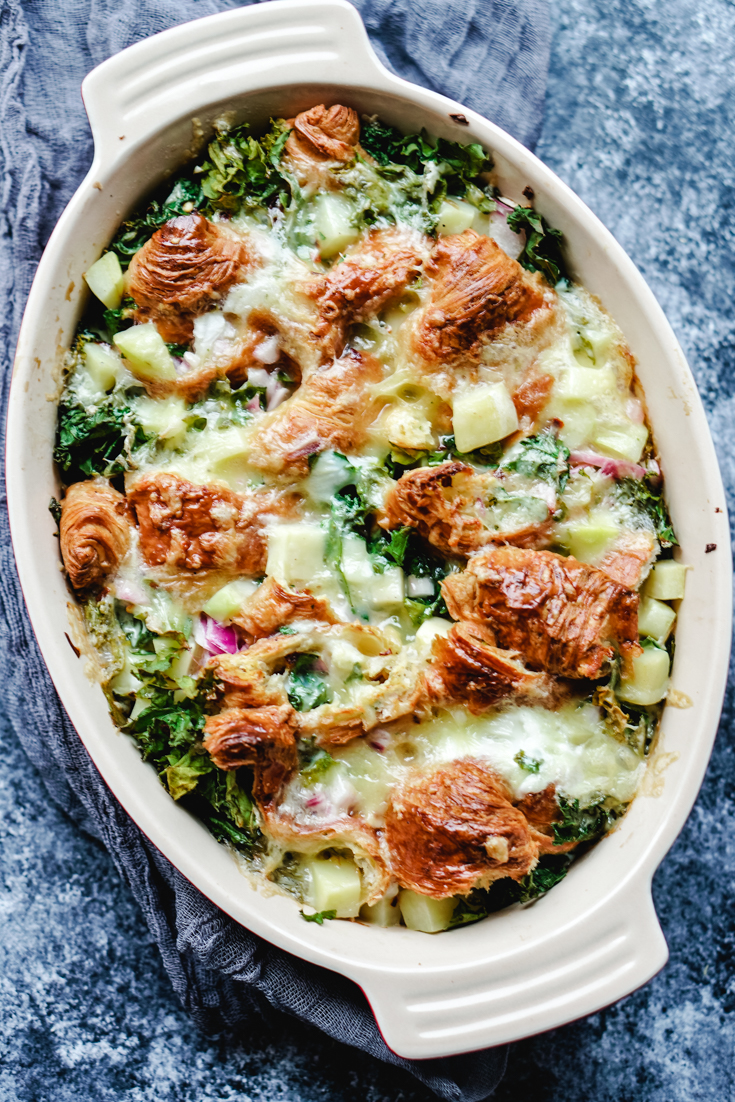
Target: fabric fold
x,y
490,54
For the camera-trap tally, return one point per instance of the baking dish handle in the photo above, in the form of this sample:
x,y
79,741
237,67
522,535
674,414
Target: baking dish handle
x,y
132,95
576,972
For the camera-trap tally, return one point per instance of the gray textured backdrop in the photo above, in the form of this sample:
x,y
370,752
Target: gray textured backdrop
x,y
641,122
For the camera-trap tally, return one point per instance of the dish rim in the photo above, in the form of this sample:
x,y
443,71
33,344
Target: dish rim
x,y
431,996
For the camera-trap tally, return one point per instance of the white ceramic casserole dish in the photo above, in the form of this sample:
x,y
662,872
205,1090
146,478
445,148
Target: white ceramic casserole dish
x,y
596,937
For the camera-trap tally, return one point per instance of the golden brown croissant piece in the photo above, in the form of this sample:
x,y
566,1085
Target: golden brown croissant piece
x,y
321,135
331,409
95,532
262,738
192,528
373,276
563,616
467,668
476,289
185,266
442,503
455,828
273,605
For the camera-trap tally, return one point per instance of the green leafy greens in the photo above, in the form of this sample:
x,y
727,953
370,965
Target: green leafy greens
x,y
305,686
95,441
582,824
644,496
544,457
318,917
542,250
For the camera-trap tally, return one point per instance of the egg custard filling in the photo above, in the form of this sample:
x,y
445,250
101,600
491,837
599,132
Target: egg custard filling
x,y
365,522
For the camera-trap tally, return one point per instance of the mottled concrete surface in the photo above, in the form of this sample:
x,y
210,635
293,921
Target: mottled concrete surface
x,y
640,121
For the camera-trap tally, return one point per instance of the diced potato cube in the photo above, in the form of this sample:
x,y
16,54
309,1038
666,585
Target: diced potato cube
x,y
387,589
655,619
227,453
650,678
103,366
579,420
357,565
334,885
145,352
106,280
455,216
295,552
427,633
622,443
482,415
420,912
666,581
334,224
163,418
583,383
385,912
228,600
588,542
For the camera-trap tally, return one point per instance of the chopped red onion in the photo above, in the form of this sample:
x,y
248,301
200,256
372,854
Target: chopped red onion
x,y
379,739
309,447
615,468
267,351
253,405
275,393
634,409
215,637
129,591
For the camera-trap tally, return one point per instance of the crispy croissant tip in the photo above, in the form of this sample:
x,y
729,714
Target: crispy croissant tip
x,y
94,533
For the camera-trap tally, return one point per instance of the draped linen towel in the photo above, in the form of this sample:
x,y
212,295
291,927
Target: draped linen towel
x,y
489,54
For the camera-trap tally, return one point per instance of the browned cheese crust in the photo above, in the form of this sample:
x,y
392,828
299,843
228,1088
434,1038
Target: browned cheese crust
x,y
563,616
466,668
94,533
194,529
186,265
262,738
373,276
531,396
322,138
455,828
438,502
273,605
476,290
331,409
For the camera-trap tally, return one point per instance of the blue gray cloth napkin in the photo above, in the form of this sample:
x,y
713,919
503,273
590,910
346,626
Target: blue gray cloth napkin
x,y
489,54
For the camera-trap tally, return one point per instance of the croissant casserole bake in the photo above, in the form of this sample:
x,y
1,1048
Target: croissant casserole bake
x,y
365,522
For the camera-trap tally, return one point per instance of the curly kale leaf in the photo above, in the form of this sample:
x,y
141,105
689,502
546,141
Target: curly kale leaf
x,y
314,762
644,496
544,457
96,441
582,824
542,250
305,684
550,870
242,171
460,165
319,917
389,548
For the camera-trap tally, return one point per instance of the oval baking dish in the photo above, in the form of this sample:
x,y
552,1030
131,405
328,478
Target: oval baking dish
x,y
596,937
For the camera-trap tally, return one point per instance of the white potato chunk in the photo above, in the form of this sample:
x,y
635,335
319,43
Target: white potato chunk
x,y
482,415
106,280
334,224
164,419
655,619
229,600
422,913
623,443
103,366
588,542
455,216
384,913
334,885
146,354
295,552
583,383
387,590
667,581
650,678
357,566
